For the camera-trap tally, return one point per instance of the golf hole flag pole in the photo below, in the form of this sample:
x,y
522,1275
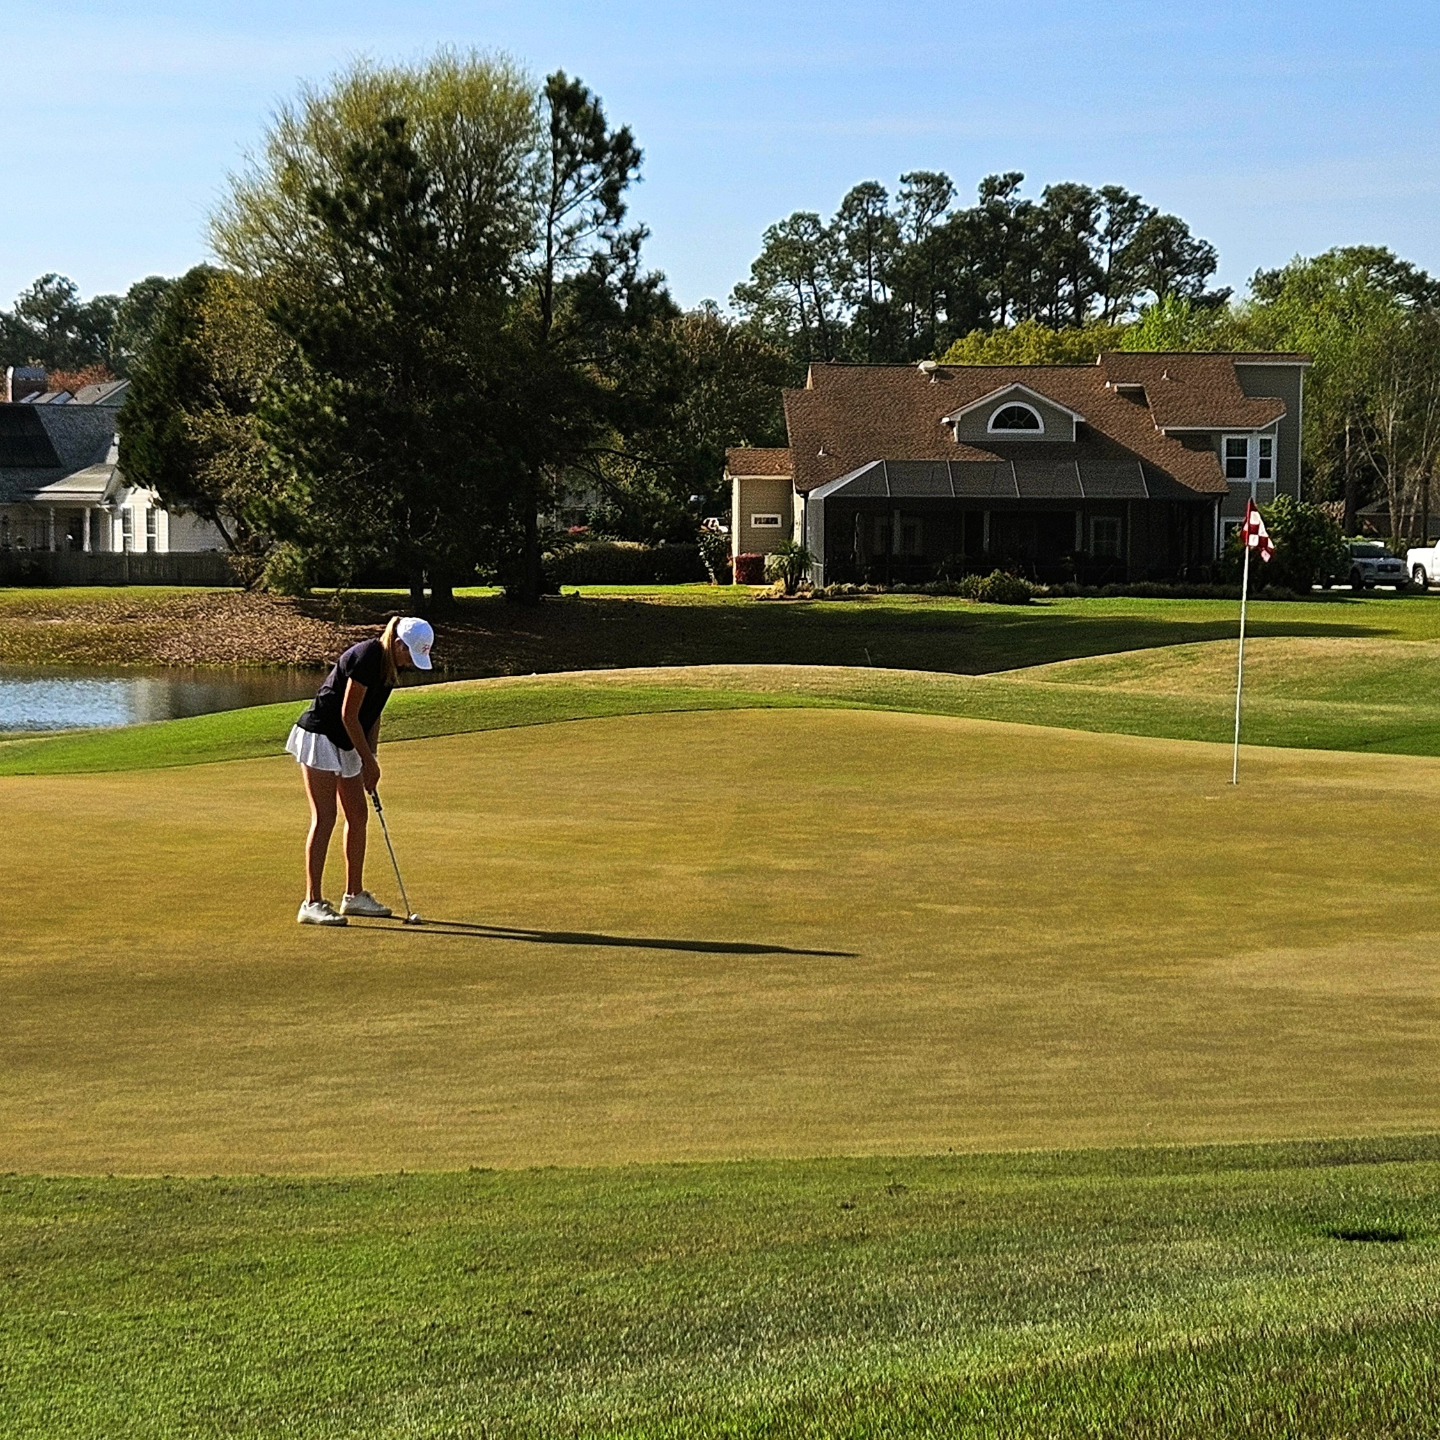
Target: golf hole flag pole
x,y
1253,536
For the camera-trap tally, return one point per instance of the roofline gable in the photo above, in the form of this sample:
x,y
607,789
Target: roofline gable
x,y
1009,388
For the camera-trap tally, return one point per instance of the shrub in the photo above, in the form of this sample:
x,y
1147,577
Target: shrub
x,y
287,571
996,588
19,567
715,555
1172,590
789,564
1310,547
624,562
749,569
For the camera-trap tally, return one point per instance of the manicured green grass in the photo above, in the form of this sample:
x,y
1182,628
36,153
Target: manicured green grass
x,y
1333,693
1183,1292
713,935
821,930
35,599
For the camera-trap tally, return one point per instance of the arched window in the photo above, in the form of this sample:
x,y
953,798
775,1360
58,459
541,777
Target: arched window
x,y
1017,417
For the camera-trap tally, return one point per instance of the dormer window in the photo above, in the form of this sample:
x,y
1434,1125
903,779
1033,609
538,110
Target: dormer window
x,y
1010,418
1015,412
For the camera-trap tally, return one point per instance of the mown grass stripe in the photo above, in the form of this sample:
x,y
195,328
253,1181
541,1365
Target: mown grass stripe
x,y
1052,696
1106,1292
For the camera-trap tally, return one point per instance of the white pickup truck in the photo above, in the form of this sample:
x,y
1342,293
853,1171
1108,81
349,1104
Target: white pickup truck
x,y
1424,566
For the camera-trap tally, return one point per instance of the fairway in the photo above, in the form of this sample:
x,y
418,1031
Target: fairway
x,y
724,935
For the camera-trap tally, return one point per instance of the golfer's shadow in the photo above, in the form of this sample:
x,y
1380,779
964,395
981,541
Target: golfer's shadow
x,y
620,942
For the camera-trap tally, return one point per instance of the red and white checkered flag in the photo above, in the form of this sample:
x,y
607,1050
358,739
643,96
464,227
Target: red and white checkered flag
x,y
1254,534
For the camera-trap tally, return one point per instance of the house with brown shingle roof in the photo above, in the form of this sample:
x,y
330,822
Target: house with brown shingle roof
x,y
1132,468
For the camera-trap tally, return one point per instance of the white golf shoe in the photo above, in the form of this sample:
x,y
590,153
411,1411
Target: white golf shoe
x,y
319,912
365,904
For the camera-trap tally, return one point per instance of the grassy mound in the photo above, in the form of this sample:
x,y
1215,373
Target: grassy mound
x,y
1111,1293
1334,694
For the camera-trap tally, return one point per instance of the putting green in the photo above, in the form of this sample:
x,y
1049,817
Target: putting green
x,y
704,935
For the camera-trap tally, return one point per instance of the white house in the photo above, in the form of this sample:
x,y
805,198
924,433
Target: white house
x,y
61,487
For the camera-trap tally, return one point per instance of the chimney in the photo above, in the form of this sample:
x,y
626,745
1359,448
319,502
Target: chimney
x,y
22,381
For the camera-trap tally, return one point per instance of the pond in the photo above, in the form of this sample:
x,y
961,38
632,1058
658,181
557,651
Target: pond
x,y
34,700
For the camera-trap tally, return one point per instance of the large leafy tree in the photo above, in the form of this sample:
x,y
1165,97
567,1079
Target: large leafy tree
x,y
711,384
441,251
1368,320
583,306
381,424
187,429
380,237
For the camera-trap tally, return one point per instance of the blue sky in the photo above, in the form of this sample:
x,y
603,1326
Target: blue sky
x,y
1272,128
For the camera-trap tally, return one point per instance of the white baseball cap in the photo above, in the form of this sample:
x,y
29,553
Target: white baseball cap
x,y
418,636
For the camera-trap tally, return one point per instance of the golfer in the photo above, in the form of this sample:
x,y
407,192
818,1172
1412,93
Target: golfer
x,y
334,742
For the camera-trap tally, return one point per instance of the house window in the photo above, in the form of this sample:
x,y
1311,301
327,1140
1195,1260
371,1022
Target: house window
x,y
1105,537
152,529
1237,457
764,522
910,537
1249,457
1017,417
127,530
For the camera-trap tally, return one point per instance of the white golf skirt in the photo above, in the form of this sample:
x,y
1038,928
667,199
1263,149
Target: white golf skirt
x,y
319,752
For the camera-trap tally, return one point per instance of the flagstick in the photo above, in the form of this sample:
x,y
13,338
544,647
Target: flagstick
x,y
1240,669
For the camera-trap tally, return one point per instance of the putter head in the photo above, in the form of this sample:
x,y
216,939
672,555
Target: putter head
x,y
413,919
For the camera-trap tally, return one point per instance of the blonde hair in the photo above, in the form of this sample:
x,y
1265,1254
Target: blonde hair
x,y
388,641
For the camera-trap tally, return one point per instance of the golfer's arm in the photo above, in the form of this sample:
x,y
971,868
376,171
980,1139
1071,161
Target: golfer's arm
x,y
350,714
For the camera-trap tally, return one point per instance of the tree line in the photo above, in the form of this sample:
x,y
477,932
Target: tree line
x,y
894,279
1077,272
81,340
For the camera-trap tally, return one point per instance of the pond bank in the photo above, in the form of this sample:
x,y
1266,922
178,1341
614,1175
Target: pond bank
x,y
49,700
170,628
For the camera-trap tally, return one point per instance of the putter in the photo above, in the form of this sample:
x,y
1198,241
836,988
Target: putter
x,y
411,918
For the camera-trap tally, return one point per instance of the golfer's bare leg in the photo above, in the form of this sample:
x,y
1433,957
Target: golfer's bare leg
x,y
320,791
352,801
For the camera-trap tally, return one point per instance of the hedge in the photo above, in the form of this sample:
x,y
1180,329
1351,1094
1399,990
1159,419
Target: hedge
x,y
625,562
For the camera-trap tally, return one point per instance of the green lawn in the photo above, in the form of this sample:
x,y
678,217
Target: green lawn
x,y
1184,1292
747,918
685,625
708,935
1332,693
